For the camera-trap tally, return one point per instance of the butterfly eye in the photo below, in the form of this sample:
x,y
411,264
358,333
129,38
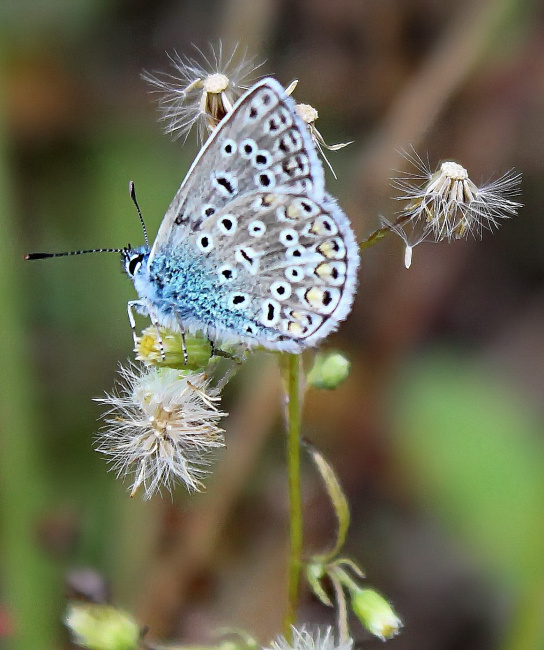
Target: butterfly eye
x,y
270,312
291,142
261,159
134,264
334,248
280,290
226,273
238,300
226,184
295,252
208,210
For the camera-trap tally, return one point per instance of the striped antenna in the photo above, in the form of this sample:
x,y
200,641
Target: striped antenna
x,y
43,256
132,191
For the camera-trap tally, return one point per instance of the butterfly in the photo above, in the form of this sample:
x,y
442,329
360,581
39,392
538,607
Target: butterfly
x,y
252,249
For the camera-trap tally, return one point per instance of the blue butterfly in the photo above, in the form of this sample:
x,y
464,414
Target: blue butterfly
x,y
252,249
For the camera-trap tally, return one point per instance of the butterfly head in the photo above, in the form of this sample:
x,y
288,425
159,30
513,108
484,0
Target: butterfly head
x,y
133,259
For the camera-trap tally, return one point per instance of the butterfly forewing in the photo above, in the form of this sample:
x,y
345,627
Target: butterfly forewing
x,y
262,145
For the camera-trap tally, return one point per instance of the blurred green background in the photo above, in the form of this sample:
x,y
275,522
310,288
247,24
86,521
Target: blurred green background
x,y
438,433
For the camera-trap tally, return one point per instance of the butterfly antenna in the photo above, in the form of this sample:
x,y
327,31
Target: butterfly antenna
x,y
43,256
132,191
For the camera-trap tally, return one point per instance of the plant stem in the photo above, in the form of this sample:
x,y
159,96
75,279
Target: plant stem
x,y
295,509
374,238
380,233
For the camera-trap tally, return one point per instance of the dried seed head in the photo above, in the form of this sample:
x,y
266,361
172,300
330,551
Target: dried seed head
x,y
216,83
448,205
161,427
310,115
200,91
307,113
318,639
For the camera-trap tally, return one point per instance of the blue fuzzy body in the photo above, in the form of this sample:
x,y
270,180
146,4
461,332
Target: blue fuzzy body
x,y
181,289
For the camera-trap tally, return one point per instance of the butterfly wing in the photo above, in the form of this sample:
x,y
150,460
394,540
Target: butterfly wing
x,y
261,145
283,265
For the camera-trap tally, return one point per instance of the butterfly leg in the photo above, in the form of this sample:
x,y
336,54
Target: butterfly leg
x,y
183,343
142,307
155,322
131,304
212,347
184,347
239,360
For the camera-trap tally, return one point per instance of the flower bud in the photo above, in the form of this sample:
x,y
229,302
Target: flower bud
x,y
330,369
375,613
102,627
165,348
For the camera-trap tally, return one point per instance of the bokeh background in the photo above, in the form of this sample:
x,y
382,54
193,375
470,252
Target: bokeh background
x,y
438,433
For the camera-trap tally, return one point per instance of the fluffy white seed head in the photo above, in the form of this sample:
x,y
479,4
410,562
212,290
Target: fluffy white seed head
x,y
161,427
200,91
448,205
317,639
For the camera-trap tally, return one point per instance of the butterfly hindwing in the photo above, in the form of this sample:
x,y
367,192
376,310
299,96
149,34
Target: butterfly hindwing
x,y
283,262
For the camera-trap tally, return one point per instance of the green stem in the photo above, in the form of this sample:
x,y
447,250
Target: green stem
x,y
380,233
295,510
374,238
342,610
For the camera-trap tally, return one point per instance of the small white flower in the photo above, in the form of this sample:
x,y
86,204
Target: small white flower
x,y
447,205
200,92
317,639
161,427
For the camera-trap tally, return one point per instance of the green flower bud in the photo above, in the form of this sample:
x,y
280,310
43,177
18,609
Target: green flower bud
x,y
148,349
375,613
330,369
102,627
